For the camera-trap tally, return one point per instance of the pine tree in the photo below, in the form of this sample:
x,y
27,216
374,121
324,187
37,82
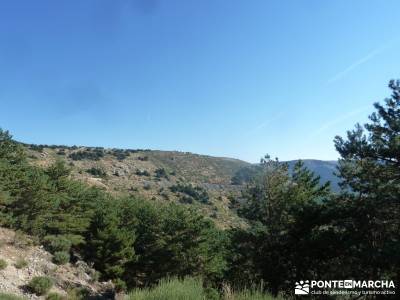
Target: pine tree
x,y
370,169
266,251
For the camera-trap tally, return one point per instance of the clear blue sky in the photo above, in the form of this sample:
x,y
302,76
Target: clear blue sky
x,y
219,77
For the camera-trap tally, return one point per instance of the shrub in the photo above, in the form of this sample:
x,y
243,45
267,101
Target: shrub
x,y
3,264
78,294
55,296
40,285
61,152
9,297
120,154
90,154
97,172
142,173
21,263
119,285
61,257
21,240
161,173
253,295
57,243
195,192
211,293
171,289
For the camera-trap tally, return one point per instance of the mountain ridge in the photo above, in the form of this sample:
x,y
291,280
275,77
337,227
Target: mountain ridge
x,y
203,181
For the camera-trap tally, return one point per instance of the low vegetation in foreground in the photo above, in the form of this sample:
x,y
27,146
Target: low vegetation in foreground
x,y
192,288
4,296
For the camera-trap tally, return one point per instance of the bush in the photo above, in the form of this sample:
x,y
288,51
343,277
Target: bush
x,y
21,263
171,289
211,293
97,172
55,296
253,295
61,257
142,173
61,152
120,154
40,285
21,240
89,154
119,285
195,192
9,297
3,264
78,294
161,173
57,243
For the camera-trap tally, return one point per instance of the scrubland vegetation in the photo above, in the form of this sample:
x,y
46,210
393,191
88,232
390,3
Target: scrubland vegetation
x,y
295,227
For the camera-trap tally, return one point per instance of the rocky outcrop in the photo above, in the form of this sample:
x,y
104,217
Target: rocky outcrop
x,y
26,260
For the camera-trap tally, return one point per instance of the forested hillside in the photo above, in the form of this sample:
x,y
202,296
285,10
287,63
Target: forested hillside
x,y
285,224
206,182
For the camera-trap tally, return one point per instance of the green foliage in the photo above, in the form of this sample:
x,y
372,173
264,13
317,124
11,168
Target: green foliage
x,y
121,154
191,193
98,172
78,294
161,173
273,200
21,263
171,289
297,230
89,153
55,296
128,240
40,285
193,288
109,241
171,241
253,294
369,211
10,151
54,243
61,257
119,285
9,297
3,264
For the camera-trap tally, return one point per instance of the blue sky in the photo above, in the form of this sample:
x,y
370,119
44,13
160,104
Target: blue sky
x,y
218,77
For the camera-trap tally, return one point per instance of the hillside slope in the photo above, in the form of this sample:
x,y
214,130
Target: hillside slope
x,y
191,179
25,260
326,169
205,182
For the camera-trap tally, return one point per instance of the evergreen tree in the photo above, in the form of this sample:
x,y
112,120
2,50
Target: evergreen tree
x,y
370,169
109,241
266,251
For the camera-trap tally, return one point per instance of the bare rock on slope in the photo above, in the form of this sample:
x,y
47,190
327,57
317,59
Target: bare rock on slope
x,y
15,247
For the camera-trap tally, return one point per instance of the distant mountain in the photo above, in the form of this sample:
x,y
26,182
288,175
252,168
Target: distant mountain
x,y
324,168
